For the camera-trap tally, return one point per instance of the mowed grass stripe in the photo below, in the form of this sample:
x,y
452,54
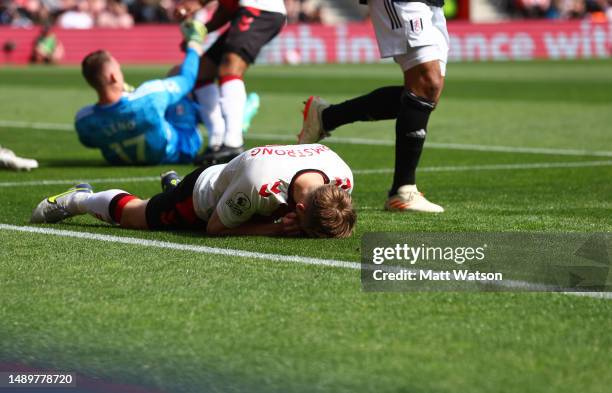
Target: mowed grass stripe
x,y
181,247
511,284
357,141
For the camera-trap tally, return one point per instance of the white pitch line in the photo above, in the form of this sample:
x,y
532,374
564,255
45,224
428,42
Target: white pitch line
x,y
515,284
495,167
134,179
359,141
181,247
492,167
36,125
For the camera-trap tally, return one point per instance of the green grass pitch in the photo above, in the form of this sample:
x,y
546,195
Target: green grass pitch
x,y
181,321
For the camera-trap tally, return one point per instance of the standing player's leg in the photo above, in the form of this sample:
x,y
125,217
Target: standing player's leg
x,y
250,30
207,94
424,67
233,97
423,85
421,51
320,117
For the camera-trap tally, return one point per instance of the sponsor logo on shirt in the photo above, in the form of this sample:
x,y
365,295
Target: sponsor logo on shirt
x,y
239,203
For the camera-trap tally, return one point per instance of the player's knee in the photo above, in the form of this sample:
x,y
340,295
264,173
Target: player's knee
x,y
426,81
232,64
433,86
430,86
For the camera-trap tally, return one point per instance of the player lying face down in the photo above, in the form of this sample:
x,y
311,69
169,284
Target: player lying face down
x,y
271,191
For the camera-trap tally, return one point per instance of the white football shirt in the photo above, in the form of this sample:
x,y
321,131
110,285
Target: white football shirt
x,y
258,182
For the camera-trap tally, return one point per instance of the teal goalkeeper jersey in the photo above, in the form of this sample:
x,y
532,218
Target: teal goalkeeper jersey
x,y
157,123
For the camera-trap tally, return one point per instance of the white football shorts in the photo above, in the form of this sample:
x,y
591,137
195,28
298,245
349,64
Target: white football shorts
x,y
412,33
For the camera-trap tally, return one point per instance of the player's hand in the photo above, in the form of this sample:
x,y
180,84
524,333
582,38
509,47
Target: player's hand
x,y
185,9
193,31
290,225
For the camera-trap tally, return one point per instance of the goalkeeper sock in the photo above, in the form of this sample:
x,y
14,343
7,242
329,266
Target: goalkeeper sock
x,y
233,100
106,205
410,133
210,112
380,104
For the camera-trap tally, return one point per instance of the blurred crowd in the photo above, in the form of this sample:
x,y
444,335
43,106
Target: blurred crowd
x,y
596,10
84,14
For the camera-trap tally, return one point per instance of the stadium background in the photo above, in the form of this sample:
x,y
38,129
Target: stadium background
x,y
319,31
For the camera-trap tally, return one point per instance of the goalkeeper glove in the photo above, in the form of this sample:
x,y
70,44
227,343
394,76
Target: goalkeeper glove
x,y
193,31
127,88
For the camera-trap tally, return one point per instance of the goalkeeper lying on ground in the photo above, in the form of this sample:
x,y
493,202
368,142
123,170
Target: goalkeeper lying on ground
x,y
270,191
156,123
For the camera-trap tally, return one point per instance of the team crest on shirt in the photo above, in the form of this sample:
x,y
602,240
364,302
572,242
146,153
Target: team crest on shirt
x,y
416,25
239,203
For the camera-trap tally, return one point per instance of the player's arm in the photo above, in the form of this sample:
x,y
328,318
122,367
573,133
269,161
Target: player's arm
x,y
287,226
235,209
177,86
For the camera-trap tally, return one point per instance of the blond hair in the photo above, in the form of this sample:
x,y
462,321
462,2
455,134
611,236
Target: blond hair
x,y
329,213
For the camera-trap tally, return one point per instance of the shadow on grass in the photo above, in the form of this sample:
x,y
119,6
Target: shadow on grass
x,y
74,162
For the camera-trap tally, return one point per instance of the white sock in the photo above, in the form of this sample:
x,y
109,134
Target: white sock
x,y
407,188
210,112
96,204
233,99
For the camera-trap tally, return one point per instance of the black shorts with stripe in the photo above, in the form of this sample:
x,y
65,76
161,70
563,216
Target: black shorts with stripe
x,y
249,31
173,209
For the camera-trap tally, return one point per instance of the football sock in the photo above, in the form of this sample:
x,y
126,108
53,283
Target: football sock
x,y
410,133
233,100
210,112
106,205
380,104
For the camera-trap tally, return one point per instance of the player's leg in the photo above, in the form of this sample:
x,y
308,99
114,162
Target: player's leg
x,y
250,30
112,206
380,104
320,117
424,67
250,110
172,209
232,97
207,94
423,86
